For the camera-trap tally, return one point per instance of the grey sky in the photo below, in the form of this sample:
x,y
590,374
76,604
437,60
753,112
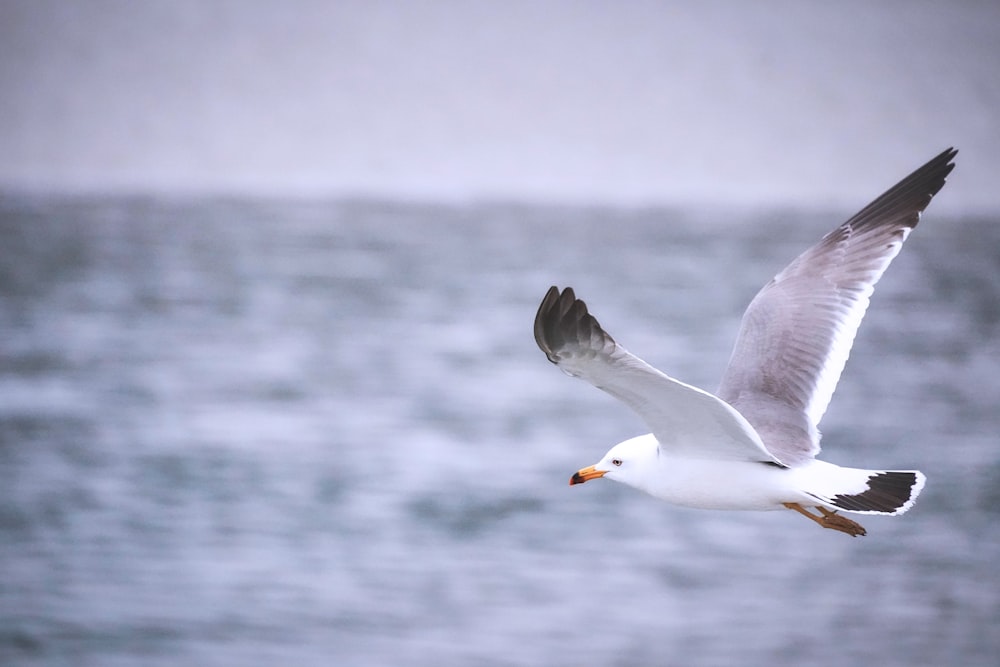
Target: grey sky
x,y
620,102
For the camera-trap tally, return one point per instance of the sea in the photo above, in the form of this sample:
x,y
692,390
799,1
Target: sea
x,y
240,431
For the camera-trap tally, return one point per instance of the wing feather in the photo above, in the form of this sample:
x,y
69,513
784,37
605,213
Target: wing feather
x,y
689,421
798,331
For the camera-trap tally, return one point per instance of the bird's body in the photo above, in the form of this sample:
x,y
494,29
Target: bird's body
x,y
737,485
706,483
753,445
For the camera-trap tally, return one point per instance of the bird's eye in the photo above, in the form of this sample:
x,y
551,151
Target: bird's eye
x,y
616,462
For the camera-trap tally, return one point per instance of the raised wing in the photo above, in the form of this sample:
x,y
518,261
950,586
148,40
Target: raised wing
x,y
685,419
798,331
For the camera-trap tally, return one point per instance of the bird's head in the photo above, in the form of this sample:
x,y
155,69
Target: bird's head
x,y
625,462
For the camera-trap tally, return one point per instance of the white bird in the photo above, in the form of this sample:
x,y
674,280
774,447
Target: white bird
x,y
752,446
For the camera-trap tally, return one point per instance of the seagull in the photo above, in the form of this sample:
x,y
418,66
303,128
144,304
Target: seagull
x,y
753,444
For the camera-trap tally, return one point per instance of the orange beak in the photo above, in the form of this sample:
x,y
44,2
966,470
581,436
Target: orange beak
x,y
585,475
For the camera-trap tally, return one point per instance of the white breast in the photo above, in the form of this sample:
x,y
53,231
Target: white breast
x,y
722,485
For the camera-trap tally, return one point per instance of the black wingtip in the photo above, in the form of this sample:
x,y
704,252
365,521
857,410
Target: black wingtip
x,y
549,320
931,177
934,173
928,179
542,331
903,203
563,319
943,164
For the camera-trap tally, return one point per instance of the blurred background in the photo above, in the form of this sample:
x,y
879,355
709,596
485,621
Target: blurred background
x,y
268,388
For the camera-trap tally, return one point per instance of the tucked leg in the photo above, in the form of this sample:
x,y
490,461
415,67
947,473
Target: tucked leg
x,y
828,519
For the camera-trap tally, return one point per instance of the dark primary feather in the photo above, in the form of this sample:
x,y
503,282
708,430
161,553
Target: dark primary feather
x,y
562,322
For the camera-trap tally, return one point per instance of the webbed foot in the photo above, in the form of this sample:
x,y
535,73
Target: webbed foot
x,y
830,519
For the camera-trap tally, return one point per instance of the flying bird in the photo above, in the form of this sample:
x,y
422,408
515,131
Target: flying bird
x,y
753,444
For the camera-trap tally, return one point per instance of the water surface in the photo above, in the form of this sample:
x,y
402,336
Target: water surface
x,y
256,433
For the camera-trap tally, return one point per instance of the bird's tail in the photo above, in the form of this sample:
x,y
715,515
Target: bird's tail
x,y
876,492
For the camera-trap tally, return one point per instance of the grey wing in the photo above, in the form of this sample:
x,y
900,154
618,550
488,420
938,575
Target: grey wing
x,y
798,331
689,421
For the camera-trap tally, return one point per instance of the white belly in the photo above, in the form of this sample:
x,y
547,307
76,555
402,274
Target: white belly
x,y
723,485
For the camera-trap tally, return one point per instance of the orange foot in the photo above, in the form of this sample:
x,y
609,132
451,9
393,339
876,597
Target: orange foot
x,y
831,520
